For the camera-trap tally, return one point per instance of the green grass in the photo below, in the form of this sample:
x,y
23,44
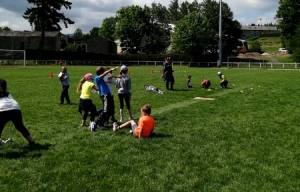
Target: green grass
x,y
270,44
239,142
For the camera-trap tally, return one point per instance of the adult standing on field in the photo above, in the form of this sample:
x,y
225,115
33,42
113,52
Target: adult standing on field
x,y
64,80
168,74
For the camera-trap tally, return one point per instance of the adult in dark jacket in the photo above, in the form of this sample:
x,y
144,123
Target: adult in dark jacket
x,y
168,74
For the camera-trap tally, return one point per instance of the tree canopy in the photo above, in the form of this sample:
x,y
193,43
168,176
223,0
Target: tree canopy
x,y
45,16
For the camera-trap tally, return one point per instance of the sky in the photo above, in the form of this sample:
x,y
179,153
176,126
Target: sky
x,y
90,13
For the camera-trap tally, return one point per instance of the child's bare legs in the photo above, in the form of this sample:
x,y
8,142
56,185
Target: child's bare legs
x,y
121,115
130,115
127,124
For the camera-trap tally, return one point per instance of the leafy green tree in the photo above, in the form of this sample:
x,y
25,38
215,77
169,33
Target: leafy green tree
x,y
174,11
78,36
231,29
255,46
108,28
190,36
45,16
133,23
157,41
2,29
159,13
295,44
289,18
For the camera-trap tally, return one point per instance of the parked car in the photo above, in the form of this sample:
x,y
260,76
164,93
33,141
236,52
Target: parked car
x,y
282,50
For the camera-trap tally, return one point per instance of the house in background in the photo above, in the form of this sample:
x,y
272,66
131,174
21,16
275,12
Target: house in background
x,y
101,45
249,32
22,40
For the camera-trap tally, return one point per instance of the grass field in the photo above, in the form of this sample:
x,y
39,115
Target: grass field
x,y
247,139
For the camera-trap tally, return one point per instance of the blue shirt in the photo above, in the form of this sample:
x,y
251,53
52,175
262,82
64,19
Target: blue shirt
x,y
66,81
102,86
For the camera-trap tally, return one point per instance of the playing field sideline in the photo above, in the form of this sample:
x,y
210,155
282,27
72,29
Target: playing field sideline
x,y
246,139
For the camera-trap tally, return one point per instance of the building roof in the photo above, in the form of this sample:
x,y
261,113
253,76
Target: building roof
x,y
29,33
260,28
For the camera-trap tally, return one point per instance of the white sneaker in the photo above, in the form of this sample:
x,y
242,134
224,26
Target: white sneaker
x,y
121,119
115,126
93,126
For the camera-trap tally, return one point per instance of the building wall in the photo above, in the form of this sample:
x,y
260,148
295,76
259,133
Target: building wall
x,y
29,42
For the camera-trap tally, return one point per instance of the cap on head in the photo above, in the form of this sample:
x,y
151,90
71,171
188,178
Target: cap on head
x,y
124,68
219,73
88,76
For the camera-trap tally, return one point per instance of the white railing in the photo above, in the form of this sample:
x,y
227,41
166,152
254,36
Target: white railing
x,y
262,65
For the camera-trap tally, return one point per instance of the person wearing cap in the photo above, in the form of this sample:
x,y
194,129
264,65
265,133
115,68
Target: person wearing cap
x,y
64,80
168,74
224,81
105,96
124,91
85,86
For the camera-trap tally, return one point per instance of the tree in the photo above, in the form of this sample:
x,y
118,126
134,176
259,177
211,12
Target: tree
x,y
255,46
157,41
295,44
45,16
231,29
289,18
108,28
159,13
133,23
78,36
174,11
190,36
197,33
3,29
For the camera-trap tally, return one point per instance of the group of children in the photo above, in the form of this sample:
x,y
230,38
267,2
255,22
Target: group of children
x,y
205,84
103,83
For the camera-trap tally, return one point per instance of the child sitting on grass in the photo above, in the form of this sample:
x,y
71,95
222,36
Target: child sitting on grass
x,y
145,125
189,83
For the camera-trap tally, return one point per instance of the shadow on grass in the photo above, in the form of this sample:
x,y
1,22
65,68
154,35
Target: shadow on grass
x,y
181,90
160,135
32,152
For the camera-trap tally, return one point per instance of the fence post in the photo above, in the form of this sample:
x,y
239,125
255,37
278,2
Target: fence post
x,y
249,65
271,65
283,65
295,65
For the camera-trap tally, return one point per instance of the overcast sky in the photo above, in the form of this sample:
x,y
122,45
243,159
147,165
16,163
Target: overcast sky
x,y
90,13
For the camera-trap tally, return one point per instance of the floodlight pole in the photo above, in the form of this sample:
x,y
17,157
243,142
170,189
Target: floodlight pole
x,y
220,35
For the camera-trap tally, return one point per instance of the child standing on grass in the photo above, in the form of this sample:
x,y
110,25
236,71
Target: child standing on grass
x,y
86,85
64,80
10,111
145,125
124,91
106,96
223,82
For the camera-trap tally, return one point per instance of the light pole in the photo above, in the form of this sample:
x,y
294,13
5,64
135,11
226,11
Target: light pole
x,y
220,35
